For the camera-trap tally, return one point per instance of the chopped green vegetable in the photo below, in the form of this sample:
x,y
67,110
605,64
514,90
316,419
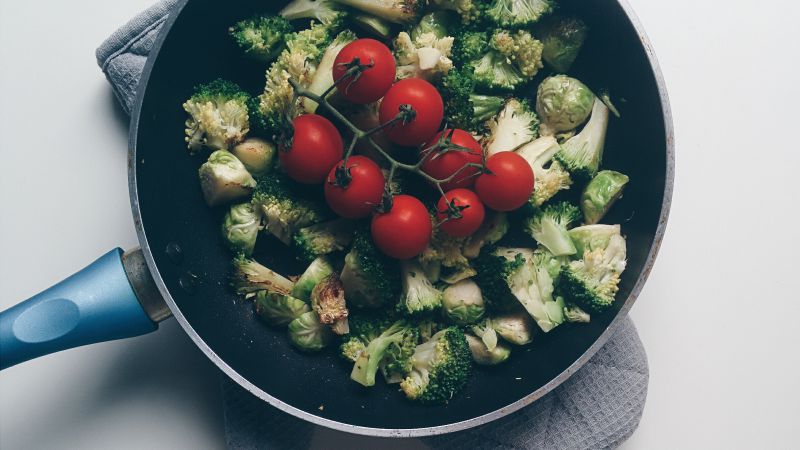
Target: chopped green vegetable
x,y
502,59
563,104
396,343
550,177
218,116
427,56
325,11
581,154
563,39
484,356
440,367
440,23
261,37
601,193
278,309
257,155
549,227
317,271
516,125
223,179
518,13
463,303
287,206
419,296
370,278
395,11
250,277
240,228
323,238
308,334
327,300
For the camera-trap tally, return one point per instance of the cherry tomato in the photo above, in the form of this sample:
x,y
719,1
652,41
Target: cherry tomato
x,y
371,84
508,184
470,208
404,231
446,164
316,147
426,102
363,192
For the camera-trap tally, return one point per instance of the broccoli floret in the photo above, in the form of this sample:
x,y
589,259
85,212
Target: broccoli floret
x,y
218,116
469,10
463,107
563,38
323,75
327,300
601,193
249,277
419,296
261,37
322,239
325,11
550,177
287,206
516,125
439,368
593,281
581,154
549,227
502,59
277,104
278,309
313,275
350,348
518,13
395,11
371,279
427,56
592,237
398,340
574,314
364,327
494,270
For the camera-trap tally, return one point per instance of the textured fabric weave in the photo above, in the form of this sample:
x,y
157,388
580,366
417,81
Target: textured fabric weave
x,y
598,407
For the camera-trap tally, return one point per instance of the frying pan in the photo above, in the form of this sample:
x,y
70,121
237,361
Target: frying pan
x,y
181,266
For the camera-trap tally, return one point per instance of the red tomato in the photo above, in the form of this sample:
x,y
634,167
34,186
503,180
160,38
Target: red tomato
x,y
446,164
316,147
405,230
374,81
508,183
426,102
362,194
470,208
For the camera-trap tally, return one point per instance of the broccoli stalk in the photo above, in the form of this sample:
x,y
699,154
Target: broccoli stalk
x,y
322,239
317,271
593,281
439,368
601,193
322,80
419,296
518,13
550,178
516,125
327,300
287,206
223,179
502,59
581,154
325,11
400,335
370,278
250,277
549,226
218,116
261,38
395,11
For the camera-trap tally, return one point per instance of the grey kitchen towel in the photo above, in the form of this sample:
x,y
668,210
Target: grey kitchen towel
x,y
598,407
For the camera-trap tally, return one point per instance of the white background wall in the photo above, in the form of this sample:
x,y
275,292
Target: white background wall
x,y
718,317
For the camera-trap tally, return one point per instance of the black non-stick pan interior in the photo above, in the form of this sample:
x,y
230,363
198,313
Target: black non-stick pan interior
x,y
173,214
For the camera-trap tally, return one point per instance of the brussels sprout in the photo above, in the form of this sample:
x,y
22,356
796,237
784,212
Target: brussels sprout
x,y
601,193
316,272
240,228
327,299
308,334
440,23
563,104
257,155
485,357
486,332
224,178
563,39
373,25
463,303
516,328
278,309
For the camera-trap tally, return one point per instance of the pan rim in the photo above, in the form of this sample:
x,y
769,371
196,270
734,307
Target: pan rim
x,y
405,432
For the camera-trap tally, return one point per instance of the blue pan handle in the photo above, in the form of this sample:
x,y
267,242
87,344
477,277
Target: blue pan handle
x,y
99,303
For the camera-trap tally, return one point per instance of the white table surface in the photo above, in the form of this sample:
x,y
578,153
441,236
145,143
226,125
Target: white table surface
x,y
719,316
